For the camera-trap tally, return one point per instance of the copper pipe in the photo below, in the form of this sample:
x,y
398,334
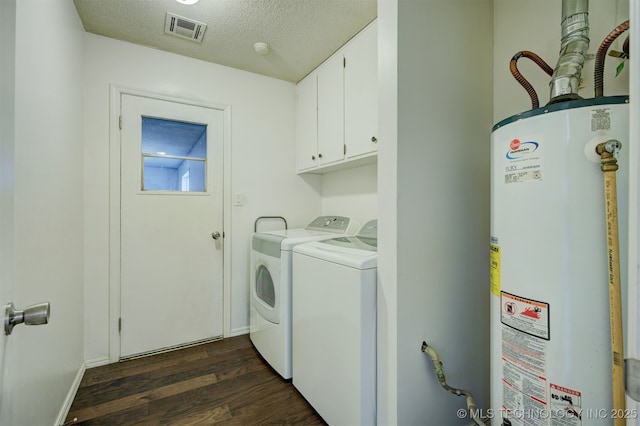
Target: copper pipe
x,y
513,67
602,53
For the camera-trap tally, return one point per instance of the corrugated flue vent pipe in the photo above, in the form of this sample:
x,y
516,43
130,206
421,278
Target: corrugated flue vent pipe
x,y
574,44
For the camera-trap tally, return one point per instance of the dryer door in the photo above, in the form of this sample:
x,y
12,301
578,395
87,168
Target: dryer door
x,y
266,294
265,290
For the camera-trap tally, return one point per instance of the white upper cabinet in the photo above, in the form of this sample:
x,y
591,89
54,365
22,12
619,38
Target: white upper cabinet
x,y
361,93
307,122
331,111
337,108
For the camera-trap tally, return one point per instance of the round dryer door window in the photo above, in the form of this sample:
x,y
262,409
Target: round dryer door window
x,y
265,299
264,286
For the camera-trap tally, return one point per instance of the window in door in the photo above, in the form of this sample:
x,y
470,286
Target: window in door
x,y
174,155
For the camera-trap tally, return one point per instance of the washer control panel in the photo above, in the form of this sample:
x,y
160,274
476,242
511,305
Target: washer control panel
x,y
369,229
338,224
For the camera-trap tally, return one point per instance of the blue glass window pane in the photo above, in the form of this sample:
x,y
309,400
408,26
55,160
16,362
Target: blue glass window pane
x,y
174,155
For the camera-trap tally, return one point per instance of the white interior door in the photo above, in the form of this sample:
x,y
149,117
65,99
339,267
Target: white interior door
x,y
171,269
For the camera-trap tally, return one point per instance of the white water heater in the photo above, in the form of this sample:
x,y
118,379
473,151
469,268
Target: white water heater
x,y
550,326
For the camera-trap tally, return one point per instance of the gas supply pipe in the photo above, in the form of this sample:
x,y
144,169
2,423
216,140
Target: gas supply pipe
x,y
439,370
608,152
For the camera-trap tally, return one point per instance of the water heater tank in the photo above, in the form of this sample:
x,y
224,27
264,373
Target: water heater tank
x,y
550,327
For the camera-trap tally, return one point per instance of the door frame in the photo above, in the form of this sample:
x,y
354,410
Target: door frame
x,y
115,95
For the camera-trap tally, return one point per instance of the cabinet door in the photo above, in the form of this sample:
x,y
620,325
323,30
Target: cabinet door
x,y
307,123
361,93
331,111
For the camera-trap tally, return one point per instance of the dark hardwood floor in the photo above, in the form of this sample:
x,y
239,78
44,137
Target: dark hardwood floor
x,y
224,382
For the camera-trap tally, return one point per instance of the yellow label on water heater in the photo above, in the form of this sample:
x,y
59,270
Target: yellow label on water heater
x,y
494,269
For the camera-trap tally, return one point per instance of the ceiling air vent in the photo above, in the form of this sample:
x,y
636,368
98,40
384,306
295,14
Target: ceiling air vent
x,y
183,27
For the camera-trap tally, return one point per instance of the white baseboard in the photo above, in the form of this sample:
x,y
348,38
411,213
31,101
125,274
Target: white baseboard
x,y
66,406
96,362
238,331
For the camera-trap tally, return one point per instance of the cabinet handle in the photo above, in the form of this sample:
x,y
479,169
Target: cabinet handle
x,y
319,155
374,139
313,157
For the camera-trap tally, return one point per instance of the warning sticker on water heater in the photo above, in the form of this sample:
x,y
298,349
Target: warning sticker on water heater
x,y
494,269
524,379
525,315
600,119
523,159
566,406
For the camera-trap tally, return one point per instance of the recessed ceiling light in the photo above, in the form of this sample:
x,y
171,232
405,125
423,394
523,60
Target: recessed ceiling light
x,y
187,1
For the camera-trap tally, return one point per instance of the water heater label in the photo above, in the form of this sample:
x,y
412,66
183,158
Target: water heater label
x,y
525,315
524,382
600,119
566,406
522,159
494,269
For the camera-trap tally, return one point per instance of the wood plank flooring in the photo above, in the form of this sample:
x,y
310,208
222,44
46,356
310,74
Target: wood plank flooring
x,y
224,382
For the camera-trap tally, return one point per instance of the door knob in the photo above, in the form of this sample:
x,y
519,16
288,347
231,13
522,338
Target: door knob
x,y
31,315
215,235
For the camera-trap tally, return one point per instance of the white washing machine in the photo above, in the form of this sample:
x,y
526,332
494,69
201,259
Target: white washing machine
x,y
334,326
270,310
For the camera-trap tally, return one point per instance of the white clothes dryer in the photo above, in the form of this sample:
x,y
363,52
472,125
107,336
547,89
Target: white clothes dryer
x,y
334,326
271,281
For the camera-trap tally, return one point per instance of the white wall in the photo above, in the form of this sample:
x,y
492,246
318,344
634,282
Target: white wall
x,y
352,193
633,333
47,196
387,297
262,156
534,25
436,284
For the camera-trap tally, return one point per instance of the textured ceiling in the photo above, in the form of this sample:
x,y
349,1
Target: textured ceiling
x,y
300,33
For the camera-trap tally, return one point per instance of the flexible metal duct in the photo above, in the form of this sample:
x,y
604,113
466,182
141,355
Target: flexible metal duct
x,y
574,44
